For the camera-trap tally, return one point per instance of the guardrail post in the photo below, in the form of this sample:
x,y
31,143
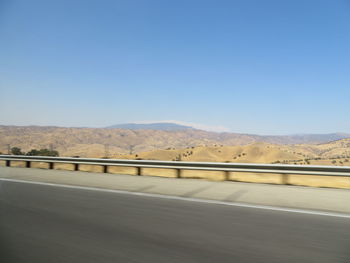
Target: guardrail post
x,y
8,163
27,164
105,169
139,171
76,167
178,173
285,179
51,165
227,175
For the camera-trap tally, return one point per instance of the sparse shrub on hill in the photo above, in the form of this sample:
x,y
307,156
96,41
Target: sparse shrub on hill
x,y
16,151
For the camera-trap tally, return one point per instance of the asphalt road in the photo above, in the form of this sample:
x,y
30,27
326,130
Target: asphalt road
x,y
41,223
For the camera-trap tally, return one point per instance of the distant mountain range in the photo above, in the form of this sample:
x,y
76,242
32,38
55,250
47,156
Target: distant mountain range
x,y
305,138
161,126
279,139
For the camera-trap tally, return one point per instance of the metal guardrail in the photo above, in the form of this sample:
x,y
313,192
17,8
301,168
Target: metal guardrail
x,y
280,169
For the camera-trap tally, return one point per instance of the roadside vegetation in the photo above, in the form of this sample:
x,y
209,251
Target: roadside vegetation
x,y
34,152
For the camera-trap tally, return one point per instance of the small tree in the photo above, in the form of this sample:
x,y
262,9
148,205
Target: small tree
x,y
16,151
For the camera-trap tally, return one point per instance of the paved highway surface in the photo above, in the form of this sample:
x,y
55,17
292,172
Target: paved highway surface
x,y
40,223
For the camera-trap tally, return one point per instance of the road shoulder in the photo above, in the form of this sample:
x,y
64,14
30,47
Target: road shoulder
x,y
295,197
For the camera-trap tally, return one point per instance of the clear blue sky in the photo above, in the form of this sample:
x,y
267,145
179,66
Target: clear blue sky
x,y
266,67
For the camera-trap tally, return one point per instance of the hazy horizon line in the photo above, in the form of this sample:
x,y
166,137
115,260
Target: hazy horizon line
x,y
179,123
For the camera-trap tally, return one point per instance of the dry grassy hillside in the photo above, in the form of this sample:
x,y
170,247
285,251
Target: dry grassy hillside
x,y
208,146
334,153
256,152
90,142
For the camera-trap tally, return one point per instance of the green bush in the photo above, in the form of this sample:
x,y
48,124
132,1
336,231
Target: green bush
x,y
43,152
16,151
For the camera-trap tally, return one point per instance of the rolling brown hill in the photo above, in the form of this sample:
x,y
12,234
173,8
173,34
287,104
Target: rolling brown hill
x,y
91,142
333,153
189,145
99,142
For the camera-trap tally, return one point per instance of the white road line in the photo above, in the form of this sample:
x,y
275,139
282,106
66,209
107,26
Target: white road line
x,y
171,197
